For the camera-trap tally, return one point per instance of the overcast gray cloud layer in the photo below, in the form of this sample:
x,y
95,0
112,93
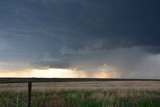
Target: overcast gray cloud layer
x,y
89,33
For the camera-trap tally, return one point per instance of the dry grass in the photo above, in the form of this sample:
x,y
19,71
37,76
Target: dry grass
x,y
151,85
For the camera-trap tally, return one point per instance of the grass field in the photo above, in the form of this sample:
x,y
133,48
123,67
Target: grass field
x,y
83,94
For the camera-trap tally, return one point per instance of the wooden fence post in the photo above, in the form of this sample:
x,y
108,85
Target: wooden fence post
x,y
29,93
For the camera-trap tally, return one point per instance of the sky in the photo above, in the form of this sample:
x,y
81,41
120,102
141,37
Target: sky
x,y
80,38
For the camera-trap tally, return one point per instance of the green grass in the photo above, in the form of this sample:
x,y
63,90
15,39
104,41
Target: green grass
x,y
13,99
86,98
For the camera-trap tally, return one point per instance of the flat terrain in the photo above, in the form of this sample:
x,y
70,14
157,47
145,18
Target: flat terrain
x,y
81,93
25,80
104,85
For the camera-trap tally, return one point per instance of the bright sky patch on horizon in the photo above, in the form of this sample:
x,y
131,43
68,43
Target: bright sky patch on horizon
x,y
57,73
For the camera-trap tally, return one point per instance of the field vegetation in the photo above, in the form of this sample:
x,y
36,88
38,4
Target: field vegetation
x,y
72,95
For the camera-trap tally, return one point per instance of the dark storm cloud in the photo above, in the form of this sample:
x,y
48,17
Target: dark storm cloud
x,y
118,23
58,33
